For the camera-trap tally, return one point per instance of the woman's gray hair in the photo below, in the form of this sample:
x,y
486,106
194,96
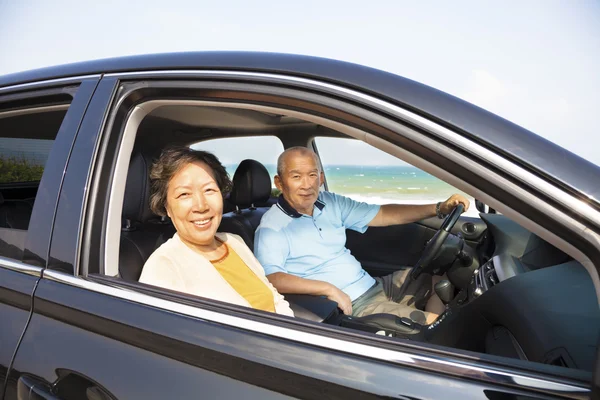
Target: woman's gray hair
x,y
171,160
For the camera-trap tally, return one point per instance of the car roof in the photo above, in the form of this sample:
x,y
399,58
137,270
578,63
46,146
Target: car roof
x,y
515,142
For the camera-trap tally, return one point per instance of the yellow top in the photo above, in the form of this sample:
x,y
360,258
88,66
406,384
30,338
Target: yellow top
x,y
235,271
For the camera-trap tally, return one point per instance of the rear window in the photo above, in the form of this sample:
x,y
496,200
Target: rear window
x,y
23,160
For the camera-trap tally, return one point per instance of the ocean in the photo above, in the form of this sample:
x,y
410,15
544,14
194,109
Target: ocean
x,y
385,184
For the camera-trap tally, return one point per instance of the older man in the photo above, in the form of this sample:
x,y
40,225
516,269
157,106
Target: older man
x,y
300,243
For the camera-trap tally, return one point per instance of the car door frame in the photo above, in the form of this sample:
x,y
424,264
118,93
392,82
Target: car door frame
x,y
19,278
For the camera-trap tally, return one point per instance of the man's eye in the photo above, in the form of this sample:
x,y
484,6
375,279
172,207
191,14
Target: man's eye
x,y
295,176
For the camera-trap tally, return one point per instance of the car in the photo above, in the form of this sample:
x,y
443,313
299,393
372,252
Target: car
x,y
76,141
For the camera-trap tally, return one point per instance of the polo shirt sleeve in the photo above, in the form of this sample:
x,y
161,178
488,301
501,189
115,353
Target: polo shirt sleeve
x,y
271,248
355,215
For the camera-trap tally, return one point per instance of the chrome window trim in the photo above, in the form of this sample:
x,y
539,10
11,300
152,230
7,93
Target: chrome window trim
x,y
18,266
33,110
490,375
47,82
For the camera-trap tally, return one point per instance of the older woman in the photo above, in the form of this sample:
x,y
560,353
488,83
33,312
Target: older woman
x,y
189,186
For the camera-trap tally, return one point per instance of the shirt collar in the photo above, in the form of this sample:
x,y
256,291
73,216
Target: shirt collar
x,y
290,211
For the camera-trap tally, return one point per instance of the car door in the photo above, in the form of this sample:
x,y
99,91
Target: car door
x,y
38,123
93,334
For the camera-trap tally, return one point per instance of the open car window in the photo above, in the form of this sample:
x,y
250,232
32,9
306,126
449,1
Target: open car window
x,y
364,173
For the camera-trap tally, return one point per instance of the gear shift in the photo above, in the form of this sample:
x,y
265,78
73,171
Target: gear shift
x,y
445,291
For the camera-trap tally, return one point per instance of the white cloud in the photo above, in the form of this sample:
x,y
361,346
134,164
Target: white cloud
x,y
485,90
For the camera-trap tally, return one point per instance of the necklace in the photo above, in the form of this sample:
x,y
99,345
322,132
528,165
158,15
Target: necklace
x,y
224,256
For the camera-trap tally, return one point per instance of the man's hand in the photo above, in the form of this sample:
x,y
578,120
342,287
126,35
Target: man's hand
x,y
341,298
447,206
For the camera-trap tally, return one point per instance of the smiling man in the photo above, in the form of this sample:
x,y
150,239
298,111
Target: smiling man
x,y
300,243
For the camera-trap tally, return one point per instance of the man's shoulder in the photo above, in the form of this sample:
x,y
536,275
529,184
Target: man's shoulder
x,y
333,199
274,219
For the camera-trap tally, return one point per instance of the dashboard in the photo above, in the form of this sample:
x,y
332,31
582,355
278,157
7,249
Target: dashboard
x,y
527,300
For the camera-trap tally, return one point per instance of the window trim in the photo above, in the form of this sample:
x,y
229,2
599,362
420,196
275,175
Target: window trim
x,y
18,266
34,110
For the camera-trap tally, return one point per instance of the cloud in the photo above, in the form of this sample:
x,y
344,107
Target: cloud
x,y
485,90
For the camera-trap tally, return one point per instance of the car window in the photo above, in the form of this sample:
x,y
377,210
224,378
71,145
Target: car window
x,y
362,172
26,138
231,151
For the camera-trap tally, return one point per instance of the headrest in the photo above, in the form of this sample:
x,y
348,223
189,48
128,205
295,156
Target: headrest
x,y
251,184
136,206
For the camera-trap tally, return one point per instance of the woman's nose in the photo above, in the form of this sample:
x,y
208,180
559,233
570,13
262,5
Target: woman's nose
x,y
200,203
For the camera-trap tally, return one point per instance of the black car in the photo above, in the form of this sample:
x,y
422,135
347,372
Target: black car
x,y
75,230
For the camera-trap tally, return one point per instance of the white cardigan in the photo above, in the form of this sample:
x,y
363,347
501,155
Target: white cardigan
x,y
177,267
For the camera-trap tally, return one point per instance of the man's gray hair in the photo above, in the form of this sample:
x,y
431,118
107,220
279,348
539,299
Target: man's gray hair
x,y
301,150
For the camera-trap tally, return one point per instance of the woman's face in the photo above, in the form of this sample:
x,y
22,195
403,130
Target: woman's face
x,y
195,205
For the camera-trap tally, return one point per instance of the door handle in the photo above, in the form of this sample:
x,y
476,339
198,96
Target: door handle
x,y
29,388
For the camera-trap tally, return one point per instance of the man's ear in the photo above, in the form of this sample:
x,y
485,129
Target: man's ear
x,y
322,177
277,181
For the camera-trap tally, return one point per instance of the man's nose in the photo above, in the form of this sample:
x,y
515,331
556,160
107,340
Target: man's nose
x,y
305,182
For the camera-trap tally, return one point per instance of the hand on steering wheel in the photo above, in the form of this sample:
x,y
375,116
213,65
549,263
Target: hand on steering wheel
x,y
435,244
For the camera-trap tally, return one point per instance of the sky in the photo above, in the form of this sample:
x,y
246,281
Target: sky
x,y
534,62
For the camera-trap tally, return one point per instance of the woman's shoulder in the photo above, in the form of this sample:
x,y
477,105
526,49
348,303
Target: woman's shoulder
x,y
165,251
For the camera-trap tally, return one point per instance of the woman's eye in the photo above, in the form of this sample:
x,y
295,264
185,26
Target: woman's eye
x,y
184,194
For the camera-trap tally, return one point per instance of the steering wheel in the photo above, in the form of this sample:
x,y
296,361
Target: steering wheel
x,y
435,244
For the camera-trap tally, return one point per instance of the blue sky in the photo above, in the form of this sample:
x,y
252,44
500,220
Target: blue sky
x,y
533,62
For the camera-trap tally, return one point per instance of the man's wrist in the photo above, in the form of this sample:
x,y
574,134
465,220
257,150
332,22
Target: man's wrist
x,y
438,210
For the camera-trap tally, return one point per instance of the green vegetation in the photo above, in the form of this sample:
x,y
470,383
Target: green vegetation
x,y
13,169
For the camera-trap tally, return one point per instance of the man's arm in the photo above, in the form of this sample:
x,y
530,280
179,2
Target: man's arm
x,y
291,284
396,214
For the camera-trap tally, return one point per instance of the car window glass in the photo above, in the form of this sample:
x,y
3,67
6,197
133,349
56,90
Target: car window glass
x,y
362,172
231,151
26,138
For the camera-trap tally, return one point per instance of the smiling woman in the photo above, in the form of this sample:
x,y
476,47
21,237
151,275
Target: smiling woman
x,y
188,186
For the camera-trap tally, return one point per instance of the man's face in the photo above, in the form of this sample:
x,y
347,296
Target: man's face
x,y
300,182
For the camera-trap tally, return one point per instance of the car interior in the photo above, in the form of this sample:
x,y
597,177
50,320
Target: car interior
x,y
508,293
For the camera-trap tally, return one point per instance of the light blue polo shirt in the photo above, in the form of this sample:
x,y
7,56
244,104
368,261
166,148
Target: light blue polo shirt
x,y
314,247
